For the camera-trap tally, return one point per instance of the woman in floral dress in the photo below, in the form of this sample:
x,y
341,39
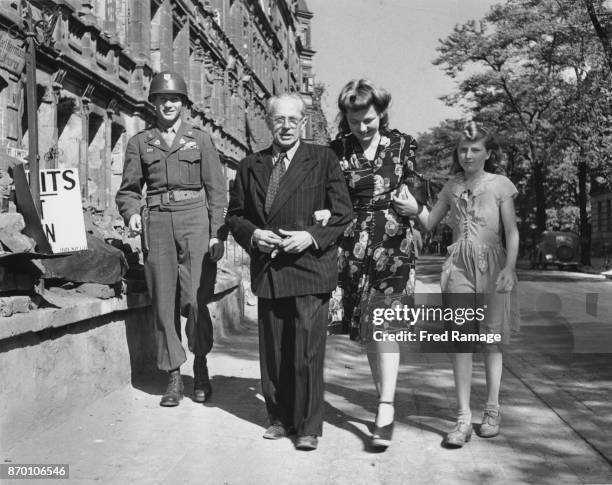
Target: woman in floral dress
x,y
376,255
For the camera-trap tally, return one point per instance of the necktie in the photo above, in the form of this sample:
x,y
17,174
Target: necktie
x,y
168,136
277,174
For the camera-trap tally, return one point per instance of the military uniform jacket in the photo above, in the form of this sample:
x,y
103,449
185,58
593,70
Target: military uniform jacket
x,y
313,181
191,163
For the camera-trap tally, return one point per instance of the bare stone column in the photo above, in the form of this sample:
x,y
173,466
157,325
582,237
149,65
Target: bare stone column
x,y
181,51
47,127
83,148
139,43
139,30
161,38
96,151
196,67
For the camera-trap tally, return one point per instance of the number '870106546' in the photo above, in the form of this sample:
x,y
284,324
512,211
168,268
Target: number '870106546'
x,y
28,471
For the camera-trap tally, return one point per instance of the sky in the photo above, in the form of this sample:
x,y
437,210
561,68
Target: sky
x,y
393,43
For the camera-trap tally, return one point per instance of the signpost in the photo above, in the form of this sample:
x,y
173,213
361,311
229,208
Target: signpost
x,y
47,26
32,100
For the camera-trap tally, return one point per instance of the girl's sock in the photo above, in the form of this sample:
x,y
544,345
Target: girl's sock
x,y
464,415
493,408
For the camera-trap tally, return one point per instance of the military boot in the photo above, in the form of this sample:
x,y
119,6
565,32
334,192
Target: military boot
x,y
174,391
202,390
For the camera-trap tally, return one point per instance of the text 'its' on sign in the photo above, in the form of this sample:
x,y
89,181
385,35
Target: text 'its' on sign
x,y
62,210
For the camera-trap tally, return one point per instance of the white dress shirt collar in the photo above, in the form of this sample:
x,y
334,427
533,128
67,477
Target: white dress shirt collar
x,y
290,153
172,129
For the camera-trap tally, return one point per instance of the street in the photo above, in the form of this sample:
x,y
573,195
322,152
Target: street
x,y
556,402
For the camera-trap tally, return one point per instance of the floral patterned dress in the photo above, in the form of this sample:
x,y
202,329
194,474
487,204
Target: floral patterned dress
x,y
376,261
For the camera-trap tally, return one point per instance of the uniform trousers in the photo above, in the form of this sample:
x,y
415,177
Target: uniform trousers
x,y
180,280
292,334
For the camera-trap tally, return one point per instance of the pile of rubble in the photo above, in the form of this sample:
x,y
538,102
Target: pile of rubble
x,y
30,278
19,273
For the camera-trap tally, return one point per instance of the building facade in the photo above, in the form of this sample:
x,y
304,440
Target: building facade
x,y
96,59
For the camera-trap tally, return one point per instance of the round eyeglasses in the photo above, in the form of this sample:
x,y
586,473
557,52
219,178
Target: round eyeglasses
x,y
281,120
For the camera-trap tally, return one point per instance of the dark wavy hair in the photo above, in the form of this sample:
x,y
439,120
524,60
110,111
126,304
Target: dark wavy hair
x,y
361,94
474,132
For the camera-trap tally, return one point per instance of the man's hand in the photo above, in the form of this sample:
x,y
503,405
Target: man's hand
x,y
295,241
215,249
322,217
405,204
135,225
266,240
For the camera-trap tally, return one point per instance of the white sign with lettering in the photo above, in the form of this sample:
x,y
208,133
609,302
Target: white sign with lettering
x,y
62,210
18,153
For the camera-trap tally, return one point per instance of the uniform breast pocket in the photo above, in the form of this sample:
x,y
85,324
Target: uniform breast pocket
x,y
152,165
189,167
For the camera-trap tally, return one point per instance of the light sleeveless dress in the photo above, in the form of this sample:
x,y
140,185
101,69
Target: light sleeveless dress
x,y
477,254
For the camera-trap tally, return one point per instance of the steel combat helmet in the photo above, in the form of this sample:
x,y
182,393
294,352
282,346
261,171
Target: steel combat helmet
x,y
167,82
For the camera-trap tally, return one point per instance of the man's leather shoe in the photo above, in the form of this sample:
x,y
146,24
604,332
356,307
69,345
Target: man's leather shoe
x,y
306,443
174,391
276,431
202,390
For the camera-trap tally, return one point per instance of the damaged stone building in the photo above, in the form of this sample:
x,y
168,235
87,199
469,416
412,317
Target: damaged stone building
x,y
94,71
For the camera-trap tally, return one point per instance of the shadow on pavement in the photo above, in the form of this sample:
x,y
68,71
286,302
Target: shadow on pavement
x,y
405,404
341,420
152,382
240,397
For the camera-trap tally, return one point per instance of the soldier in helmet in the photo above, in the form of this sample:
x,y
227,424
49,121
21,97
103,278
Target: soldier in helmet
x,y
180,217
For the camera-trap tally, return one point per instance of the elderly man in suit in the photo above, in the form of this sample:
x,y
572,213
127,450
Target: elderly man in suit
x,y
293,264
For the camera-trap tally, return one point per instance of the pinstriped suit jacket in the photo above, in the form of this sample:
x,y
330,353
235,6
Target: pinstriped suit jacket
x,y
312,182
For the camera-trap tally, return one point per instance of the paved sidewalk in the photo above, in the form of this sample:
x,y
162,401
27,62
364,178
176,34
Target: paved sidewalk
x,y
127,438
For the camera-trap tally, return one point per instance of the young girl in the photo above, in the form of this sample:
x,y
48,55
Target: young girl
x,y
481,205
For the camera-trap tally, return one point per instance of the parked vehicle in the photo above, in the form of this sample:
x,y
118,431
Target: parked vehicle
x,y
556,248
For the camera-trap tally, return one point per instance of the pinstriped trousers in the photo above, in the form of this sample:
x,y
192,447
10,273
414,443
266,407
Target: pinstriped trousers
x,y
292,334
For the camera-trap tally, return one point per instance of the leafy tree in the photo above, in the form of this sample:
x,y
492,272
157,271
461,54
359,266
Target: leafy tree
x,y
320,132
534,69
598,11
435,154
